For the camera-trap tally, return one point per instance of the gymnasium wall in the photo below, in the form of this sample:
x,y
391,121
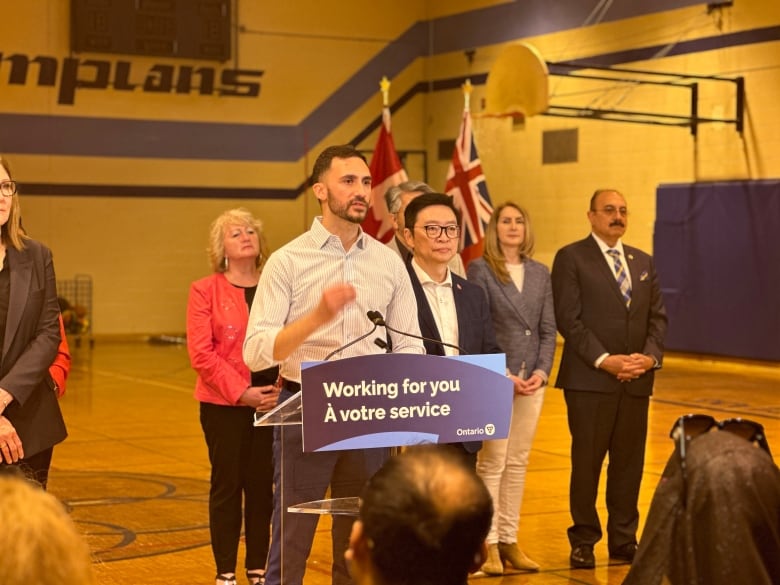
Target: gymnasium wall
x,y
123,183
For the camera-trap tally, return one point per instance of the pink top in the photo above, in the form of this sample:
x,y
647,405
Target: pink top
x,y
217,317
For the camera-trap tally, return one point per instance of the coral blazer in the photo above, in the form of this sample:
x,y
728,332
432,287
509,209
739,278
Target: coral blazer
x,y
217,317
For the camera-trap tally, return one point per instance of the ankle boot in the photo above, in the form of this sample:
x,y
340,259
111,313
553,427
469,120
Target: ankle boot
x,y
516,558
493,564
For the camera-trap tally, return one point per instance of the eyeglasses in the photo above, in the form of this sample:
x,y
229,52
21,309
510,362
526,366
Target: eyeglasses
x,y
435,231
8,188
689,426
612,210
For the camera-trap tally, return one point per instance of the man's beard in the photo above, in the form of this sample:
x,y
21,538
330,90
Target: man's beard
x,y
346,212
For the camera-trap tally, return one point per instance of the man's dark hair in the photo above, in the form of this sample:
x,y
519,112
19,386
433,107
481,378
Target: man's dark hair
x,y
596,194
323,161
425,515
417,204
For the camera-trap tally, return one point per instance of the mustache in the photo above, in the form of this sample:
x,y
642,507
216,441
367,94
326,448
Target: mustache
x,y
359,199
617,222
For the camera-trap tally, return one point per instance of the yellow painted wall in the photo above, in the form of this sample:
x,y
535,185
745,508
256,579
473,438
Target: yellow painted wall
x,y
143,253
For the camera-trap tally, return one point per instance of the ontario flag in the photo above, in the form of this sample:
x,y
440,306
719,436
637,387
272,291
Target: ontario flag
x,y
466,184
386,171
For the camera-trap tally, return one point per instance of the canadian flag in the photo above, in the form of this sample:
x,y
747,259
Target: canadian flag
x,y
386,171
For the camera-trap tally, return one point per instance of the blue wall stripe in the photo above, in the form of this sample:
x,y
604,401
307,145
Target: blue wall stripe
x,y
85,136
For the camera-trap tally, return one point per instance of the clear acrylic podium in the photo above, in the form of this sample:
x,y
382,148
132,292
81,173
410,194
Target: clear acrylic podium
x,y
288,415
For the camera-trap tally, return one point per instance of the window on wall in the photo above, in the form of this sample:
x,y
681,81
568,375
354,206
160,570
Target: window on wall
x,y
560,146
193,29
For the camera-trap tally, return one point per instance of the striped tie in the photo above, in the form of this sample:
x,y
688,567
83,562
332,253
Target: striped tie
x,y
621,276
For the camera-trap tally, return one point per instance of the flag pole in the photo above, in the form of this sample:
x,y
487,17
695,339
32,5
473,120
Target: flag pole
x,y
467,88
384,86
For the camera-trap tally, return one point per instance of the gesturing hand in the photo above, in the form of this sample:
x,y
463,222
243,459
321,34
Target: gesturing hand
x,y
334,299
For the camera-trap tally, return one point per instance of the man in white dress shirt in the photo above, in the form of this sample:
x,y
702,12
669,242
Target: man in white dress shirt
x,y
312,299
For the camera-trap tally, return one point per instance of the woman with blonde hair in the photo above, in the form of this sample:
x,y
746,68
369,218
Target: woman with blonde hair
x,y
30,419
229,395
521,305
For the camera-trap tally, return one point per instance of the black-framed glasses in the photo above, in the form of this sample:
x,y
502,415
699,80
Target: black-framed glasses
x,y
7,188
612,210
689,426
435,231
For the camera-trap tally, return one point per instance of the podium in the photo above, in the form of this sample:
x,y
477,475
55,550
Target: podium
x,y
354,411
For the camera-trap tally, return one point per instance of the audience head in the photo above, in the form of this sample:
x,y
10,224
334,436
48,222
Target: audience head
x,y
10,210
398,197
220,230
38,540
423,521
718,523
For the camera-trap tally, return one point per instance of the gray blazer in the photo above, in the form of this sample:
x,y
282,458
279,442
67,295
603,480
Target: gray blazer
x,y
524,322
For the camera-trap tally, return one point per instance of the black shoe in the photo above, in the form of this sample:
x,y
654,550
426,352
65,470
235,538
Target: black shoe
x,y
625,552
582,557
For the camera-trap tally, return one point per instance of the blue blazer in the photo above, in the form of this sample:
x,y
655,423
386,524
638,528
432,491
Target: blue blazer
x,y
475,327
524,321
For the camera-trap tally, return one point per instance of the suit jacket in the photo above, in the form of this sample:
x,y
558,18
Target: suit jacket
x,y
32,335
217,317
455,264
475,327
524,322
593,319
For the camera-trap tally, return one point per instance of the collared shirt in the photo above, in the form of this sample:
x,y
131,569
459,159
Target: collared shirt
x,y
442,303
291,286
609,260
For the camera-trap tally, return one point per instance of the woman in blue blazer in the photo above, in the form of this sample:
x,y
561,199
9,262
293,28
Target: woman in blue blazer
x,y
521,305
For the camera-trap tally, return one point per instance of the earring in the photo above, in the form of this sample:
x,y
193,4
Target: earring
x,y
226,263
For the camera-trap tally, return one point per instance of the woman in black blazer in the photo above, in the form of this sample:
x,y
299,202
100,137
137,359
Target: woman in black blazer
x,y
521,305
30,419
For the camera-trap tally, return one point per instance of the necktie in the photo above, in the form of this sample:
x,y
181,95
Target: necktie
x,y
621,276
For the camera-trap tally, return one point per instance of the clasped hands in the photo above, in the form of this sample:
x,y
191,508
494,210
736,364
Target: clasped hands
x,y
627,367
261,398
527,387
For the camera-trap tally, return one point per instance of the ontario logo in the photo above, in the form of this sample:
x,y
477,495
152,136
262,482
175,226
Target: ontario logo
x,y
489,430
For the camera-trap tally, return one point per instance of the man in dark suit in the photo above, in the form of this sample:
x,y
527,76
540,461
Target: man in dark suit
x,y
449,309
610,312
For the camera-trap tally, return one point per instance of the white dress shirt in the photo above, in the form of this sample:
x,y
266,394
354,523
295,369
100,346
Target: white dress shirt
x,y
291,285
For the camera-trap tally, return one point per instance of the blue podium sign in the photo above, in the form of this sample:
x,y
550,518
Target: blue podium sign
x,y
388,400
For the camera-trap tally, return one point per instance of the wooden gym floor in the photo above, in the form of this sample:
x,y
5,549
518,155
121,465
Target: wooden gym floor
x,y
134,470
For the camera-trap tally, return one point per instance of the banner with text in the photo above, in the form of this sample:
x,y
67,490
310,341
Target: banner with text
x,y
388,400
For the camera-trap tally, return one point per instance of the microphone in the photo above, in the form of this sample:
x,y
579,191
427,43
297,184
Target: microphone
x,y
379,321
351,343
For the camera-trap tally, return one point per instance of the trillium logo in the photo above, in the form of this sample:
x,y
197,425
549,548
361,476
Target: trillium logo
x,y
490,429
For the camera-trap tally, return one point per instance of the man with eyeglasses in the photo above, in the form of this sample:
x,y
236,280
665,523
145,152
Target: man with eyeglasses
x,y
397,198
453,313
609,310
